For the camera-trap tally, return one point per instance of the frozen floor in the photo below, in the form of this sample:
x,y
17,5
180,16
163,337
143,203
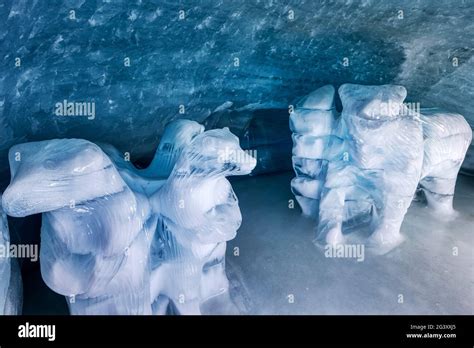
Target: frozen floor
x,y
277,260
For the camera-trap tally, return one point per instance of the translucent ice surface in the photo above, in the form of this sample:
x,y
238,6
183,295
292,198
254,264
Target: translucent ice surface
x,y
95,232
199,212
315,142
362,169
103,218
447,137
10,278
176,136
5,268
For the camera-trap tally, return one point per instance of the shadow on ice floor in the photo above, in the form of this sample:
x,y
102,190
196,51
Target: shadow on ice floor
x,y
277,261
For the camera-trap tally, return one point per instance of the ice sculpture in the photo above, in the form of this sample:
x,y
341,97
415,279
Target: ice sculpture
x,y
313,126
362,169
199,212
176,136
95,232
10,277
101,214
263,132
447,137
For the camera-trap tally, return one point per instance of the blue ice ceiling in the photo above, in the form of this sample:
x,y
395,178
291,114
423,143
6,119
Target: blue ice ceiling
x,y
201,54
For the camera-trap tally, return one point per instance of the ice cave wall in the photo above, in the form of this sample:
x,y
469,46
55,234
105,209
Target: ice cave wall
x,y
241,56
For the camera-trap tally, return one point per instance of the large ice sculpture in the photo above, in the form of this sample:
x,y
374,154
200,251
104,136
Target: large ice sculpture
x,y
95,232
199,212
99,228
362,169
10,277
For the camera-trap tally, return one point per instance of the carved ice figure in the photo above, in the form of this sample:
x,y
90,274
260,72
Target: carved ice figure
x,y
176,136
95,232
98,224
385,141
11,298
447,137
313,124
199,213
362,169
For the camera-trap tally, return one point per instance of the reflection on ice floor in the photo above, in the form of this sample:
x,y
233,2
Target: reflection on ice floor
x,y
278,262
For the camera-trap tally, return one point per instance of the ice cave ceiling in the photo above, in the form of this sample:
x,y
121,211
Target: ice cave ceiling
x,y
259,54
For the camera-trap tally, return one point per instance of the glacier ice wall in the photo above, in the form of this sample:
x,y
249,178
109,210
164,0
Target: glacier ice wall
x,y
259,53
364,166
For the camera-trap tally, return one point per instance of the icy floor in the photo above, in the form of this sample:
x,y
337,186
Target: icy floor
x,y
277,261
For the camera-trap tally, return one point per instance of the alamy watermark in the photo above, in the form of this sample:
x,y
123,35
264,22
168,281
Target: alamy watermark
x,y
397,109
347,251
28,330
21,251
238,156
68,108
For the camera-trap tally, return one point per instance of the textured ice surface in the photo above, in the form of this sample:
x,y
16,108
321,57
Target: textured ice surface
x,y
95,232
101,216
199,212
361,169
177,135
314,129
447,137
191,61
5,268
10,277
